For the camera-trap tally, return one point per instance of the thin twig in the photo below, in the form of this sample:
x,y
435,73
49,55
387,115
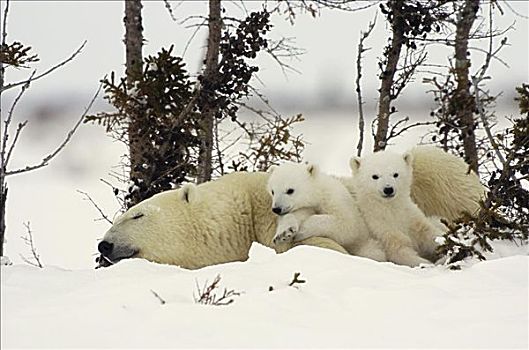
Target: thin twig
x,y
206,295
157,296
116,191
282,48
479,79
7,123
31,79
395,132
28,239
197,29
169,9
15,139
513,10
505,64
217,146
101,212
4,24
361,50
296,280
49,157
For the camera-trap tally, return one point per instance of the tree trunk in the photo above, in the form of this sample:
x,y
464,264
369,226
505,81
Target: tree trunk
x,y
134,71
463,102
208,81
3,200
388,76
3,165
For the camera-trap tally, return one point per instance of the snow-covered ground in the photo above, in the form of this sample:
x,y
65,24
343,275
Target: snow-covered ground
x,y
346,302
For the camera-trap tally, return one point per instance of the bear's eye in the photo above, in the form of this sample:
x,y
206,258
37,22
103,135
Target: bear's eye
x,y
137,216
290,191
396,175
272,193
374,177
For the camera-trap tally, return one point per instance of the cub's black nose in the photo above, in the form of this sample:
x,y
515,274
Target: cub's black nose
x,y
105,247
277,210
388,191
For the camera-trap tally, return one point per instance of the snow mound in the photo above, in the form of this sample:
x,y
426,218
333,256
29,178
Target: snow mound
x,y
345,302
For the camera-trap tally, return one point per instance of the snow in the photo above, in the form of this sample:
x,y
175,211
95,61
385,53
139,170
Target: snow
x,y
346,302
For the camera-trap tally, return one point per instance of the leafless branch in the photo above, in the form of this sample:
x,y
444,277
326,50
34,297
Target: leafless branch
x,y
400,127
206,295
45,161
15,139
28,239
157,296
504,63
190,18
195,32
296,280
282,48
101,212
50,70
116,191
345,5
7,123
361,50
407,71
241,5
513,10
4,24
314,7
169,9
264,100
476,80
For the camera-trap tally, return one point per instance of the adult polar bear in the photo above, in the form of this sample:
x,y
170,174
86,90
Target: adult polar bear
x,y
217,222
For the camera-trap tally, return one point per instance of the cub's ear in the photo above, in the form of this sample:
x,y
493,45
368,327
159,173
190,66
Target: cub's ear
x,y
354,164
312,169
408,158
271,168
188,193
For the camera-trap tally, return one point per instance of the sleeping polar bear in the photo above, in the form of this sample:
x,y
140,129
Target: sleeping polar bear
x,y
216,222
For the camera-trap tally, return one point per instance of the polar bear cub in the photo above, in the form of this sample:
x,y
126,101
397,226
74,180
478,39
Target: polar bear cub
x,y
382,185
310,203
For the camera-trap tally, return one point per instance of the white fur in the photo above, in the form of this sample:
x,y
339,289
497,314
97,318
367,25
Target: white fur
x,y
196,226
383,183
442,184
220,219
312,204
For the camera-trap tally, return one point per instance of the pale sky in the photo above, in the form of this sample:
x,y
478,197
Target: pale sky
x,y
328,69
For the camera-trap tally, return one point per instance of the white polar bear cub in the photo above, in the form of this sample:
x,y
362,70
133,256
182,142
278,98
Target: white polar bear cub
x,y
382,185
310,203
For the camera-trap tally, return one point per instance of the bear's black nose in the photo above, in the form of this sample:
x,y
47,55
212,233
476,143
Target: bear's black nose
x,y
277,210
105,247
388,191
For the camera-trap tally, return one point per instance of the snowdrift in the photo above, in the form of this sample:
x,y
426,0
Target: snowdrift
x,y
346,302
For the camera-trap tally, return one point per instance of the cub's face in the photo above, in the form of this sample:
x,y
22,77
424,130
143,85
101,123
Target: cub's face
x,y
385,175
291,186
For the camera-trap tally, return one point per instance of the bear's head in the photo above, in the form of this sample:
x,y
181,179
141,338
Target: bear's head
x,y
291,186
131,234
383,175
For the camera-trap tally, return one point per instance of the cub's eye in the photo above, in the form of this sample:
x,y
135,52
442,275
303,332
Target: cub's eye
x,y
396,175
137,216
374,177
290,191
272,193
